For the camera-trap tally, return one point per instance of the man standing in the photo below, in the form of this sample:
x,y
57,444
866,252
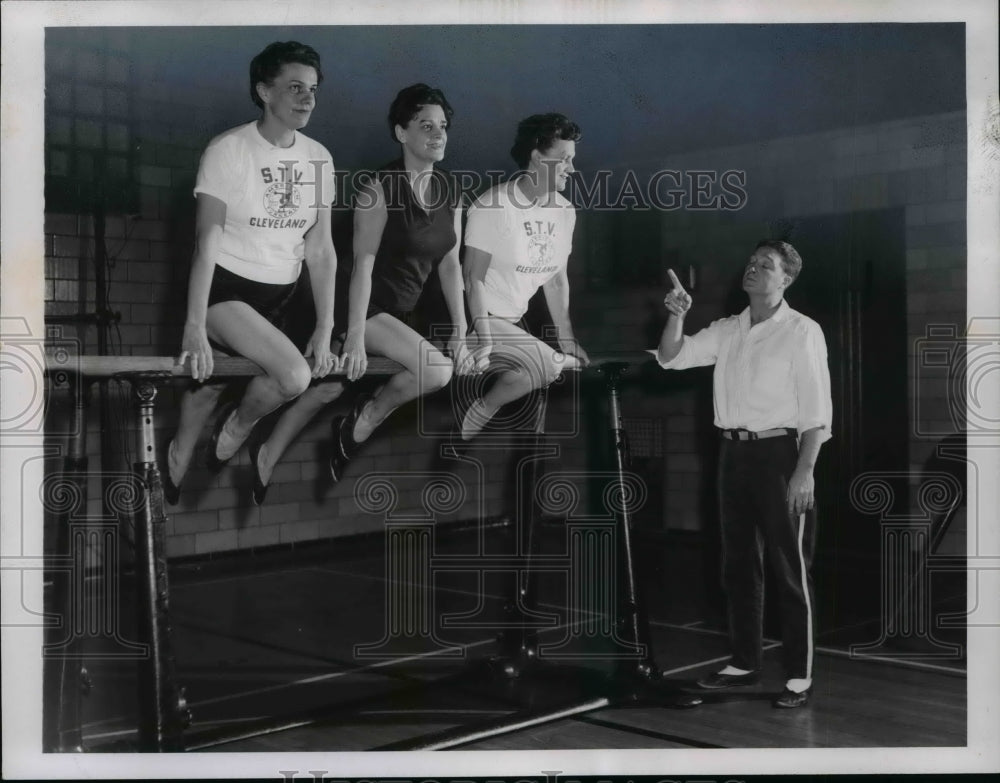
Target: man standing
x,y
772,404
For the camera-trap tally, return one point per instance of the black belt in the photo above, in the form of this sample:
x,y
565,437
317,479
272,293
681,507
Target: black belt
x,y
748,435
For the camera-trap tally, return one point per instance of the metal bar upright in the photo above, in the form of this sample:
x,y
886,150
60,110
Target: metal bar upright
x,y
634,623
163,712
65,676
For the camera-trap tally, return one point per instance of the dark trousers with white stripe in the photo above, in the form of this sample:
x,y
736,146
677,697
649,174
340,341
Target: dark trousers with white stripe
x,y
753,482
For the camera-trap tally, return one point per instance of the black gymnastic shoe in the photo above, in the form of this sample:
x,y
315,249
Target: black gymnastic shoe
x,y
338,463
338,459
789,699
474,420
258,489
342,433
212,460
171,491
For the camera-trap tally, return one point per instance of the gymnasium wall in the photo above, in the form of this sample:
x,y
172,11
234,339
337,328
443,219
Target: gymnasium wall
x,y
917,165
121,132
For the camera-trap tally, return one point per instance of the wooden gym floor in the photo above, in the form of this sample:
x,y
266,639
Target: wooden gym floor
x,y
262,636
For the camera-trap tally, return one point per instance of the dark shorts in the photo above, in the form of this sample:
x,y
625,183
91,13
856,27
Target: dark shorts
x,y
407,316
520,323
269,299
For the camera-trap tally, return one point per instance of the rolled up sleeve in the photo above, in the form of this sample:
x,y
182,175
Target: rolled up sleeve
x,y
812,383
697,350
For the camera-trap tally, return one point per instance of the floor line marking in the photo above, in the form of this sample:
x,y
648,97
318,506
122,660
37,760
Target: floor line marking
x,y
336,675
372,577
441,711
361,669
721,658
935,667
835,651
691,626
769,644
642,732
322,677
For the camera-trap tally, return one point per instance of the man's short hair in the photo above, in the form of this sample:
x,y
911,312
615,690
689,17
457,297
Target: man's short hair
x,y
791,261
267,65
540,132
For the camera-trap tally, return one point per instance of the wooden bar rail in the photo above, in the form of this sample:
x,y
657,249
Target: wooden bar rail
x,y
90,366
164,716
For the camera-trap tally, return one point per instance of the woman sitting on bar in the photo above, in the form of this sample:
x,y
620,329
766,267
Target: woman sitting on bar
x,y
263,196
407,221
518,239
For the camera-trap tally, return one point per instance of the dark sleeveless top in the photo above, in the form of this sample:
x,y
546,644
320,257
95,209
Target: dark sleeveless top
x,y
413,241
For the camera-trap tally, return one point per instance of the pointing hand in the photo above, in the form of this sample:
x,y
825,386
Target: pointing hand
x,y
678,301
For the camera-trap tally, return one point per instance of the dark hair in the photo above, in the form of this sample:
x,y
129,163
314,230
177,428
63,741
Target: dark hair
x,y
791,261
267,65
540,132
410,100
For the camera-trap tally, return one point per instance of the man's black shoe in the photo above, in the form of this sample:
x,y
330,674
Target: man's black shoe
x,y
789,699
719,680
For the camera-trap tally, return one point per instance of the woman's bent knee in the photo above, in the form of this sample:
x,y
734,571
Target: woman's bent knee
x,y
435,377
294,380
553,370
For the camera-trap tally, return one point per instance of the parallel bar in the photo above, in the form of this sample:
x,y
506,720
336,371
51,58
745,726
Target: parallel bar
x,y
519,642
632,615
225,367
505,725
212,738
163,714
230,366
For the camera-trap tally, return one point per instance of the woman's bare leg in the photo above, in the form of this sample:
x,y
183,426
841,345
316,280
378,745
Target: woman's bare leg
x,y
243,331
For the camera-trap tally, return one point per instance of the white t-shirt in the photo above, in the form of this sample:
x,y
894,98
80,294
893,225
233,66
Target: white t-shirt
x,y
273,196
529,245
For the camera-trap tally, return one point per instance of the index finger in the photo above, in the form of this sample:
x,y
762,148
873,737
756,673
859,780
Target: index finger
x,y
673,279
